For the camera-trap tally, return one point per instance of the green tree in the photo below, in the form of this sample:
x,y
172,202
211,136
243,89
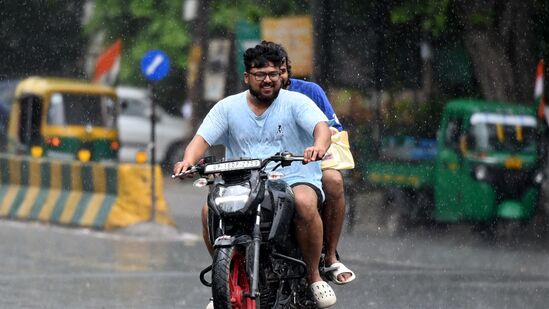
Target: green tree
x,y
225,14
141,25
502,37
158,24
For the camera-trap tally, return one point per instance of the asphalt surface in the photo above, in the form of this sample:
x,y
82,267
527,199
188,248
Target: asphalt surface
x,y
151,266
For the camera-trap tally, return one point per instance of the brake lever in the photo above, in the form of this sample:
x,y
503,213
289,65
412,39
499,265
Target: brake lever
x,y
179,175
187,172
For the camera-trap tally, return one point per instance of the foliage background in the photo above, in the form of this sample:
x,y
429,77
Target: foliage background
x,y
153,24
366,44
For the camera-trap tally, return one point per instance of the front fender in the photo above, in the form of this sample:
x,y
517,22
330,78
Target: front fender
x,y
230,241
224,241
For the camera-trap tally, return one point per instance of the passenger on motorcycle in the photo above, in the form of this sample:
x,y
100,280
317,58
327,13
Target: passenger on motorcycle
x,y
265,120
333,214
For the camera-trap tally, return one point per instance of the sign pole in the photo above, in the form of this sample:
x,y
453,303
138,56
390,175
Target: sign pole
x,y
155,65
153,151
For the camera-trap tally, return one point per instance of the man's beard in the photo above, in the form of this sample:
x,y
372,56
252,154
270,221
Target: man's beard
x,y
264,99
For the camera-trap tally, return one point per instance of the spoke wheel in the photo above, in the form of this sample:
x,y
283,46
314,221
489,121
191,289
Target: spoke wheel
x,y
230,280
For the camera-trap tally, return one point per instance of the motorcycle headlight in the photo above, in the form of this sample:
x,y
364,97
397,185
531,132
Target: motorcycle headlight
x,y
481,172
538,177
232,198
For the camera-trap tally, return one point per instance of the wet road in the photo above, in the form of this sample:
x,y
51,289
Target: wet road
x,y
52,267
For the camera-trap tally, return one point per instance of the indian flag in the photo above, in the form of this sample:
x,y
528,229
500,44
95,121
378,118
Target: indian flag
x,y
538,89
108,65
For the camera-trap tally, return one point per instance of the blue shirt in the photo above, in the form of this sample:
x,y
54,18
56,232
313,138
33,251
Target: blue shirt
x,y
287,125
315,93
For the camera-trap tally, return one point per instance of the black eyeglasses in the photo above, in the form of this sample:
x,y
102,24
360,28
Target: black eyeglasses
x,y
260,76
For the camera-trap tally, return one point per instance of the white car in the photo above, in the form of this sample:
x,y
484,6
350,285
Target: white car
x,y
172,133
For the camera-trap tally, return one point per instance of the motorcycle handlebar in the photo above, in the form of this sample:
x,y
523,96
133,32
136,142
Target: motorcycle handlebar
x,y
191,170
279,157
284,157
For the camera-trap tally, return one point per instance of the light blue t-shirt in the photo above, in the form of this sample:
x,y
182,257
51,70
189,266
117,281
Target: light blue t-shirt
x,y
287,125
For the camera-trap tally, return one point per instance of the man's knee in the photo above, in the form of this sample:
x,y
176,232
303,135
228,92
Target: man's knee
x,y
332,182
306,203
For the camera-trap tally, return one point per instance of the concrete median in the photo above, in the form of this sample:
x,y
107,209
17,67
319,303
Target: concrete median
x,y
94,195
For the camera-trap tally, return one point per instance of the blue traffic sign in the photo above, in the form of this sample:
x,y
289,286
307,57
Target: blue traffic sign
x,y
155,65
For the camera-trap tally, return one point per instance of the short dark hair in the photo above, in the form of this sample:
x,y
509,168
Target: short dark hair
x,y
283,52
260,56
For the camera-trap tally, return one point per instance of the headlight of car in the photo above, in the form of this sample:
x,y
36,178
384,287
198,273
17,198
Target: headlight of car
x,y
481,172
538,177
232,198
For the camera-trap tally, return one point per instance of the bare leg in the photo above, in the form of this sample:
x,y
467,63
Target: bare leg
x,y
308,229
205,236
333,215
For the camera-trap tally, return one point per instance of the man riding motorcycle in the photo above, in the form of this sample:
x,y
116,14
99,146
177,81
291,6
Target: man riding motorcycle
x,y
265,120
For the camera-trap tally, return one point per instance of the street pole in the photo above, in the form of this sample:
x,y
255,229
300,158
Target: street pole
x,y
322,42
199,36
155,65
379,23
153,151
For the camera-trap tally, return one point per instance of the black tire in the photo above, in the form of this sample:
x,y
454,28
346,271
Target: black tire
x,y
487,230
230,279
424,207
511,231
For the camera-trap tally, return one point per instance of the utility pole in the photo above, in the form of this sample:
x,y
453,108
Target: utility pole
x,y
321,38
379,23
197,13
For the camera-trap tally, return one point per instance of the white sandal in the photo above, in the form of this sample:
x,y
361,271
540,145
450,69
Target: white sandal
x,y
210,304
336,269
323,294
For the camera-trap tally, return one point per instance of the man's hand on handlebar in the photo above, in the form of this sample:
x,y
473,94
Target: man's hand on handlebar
x,y
313,153
180,168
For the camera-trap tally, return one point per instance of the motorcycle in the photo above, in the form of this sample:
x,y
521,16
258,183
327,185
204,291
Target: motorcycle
x,y
256,261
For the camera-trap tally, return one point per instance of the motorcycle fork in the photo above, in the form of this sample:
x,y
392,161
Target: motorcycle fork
x,y
256,238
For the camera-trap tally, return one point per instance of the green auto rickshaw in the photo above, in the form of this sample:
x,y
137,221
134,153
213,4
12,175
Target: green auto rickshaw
x,y
64,118
485,167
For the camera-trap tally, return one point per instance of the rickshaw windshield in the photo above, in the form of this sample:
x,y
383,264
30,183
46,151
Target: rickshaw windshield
x,y
498,132
81,109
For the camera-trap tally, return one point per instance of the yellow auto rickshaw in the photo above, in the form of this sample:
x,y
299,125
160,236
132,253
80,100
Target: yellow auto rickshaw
x,y
64,118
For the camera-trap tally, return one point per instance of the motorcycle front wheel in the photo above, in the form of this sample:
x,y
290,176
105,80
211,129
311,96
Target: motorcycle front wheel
x,y
230,280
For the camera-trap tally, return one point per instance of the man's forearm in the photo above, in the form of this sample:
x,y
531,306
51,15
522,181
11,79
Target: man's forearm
x,y
322,136
195,150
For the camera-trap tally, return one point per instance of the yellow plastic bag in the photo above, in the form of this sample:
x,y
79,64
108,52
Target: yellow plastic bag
x,y
339,155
